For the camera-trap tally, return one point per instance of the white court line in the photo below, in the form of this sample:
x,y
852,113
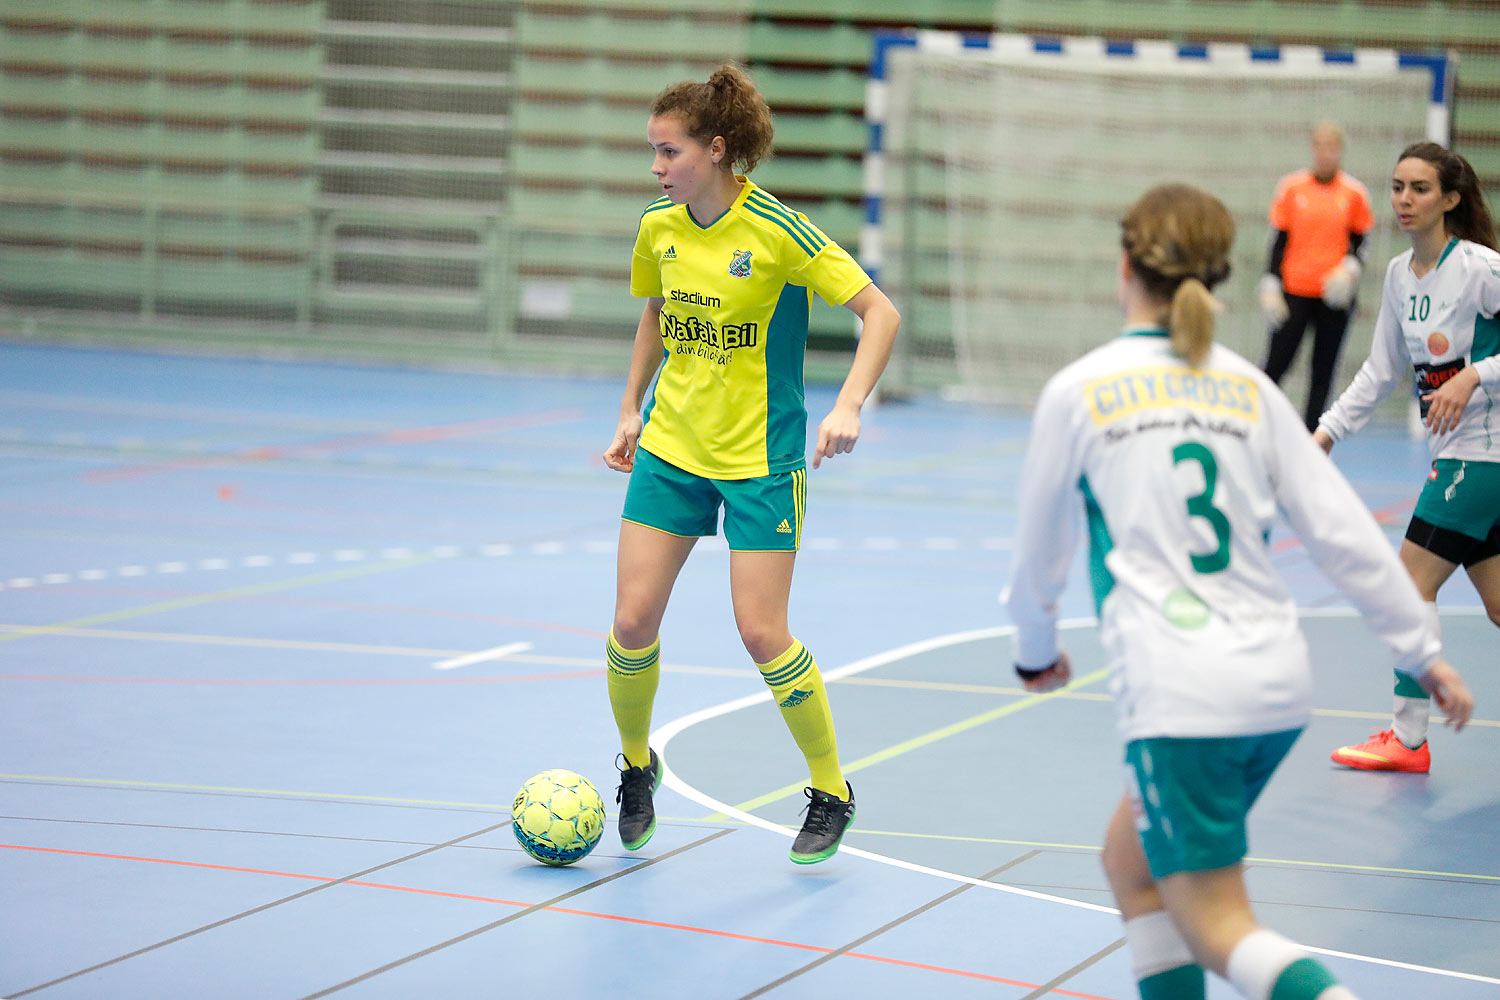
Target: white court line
x,y
499,652
1474,977
663,735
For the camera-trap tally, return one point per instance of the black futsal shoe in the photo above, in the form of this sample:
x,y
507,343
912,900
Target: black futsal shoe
x,y
637,811
828,817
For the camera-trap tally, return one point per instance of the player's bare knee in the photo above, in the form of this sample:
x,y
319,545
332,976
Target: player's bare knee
x,y
1120,865
1491,606
764,642
634,630
1212,955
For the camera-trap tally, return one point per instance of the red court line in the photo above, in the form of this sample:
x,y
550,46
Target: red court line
x,y
305,681
343,442
800,946
170,861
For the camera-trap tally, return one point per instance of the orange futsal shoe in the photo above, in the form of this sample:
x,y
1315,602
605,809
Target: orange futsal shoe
x,y
1384,753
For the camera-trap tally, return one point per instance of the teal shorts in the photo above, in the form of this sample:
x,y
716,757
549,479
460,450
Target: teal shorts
x,y
1462,496
1191,796
763,514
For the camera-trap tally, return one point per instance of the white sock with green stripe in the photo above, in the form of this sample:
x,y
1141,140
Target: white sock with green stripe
x,y
633,675
1409,718
1161,960
1266,966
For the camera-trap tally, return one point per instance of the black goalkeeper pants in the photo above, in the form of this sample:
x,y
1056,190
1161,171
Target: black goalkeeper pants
x,y
1329,325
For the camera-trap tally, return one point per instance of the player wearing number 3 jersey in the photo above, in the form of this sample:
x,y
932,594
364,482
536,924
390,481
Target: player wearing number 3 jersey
x,y
1180,454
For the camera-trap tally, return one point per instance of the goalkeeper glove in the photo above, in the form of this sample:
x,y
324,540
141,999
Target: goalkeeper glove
x,y
1339,283
1272,301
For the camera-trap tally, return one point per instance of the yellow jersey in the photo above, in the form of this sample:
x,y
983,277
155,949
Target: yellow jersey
x,y
728,402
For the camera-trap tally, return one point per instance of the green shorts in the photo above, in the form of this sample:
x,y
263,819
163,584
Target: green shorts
x,y
1462,496
1191,796
763,514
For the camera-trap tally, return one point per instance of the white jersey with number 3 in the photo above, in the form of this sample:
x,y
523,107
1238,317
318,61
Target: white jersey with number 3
x,y
1181,473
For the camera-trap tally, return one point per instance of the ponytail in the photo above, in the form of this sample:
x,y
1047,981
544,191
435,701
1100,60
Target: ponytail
x,y
1178,240
1192,321
1470,218
727,106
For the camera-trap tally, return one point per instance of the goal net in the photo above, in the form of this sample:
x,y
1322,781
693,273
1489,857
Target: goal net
x,y
1003,172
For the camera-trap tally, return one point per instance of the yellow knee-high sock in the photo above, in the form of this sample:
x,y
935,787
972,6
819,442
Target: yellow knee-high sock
x,y
633,675
797,686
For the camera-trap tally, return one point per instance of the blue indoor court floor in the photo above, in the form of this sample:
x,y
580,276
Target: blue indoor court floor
x,y
279,642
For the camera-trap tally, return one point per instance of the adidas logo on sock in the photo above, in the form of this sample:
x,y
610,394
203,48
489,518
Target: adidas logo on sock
x,y
671,253
784,528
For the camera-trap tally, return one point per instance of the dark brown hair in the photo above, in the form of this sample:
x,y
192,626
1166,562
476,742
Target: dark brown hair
x,y
1470,218
1178,240
727,105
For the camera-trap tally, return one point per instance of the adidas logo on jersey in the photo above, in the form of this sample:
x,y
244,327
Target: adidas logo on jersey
x,y
797,697
671,253
784,528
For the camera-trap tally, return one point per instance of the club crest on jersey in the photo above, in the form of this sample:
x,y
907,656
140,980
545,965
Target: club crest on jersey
x,y
739,265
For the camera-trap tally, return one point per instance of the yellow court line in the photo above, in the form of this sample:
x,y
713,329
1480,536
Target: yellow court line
x,y
917,742
309,645
222,595
67,629
909,685
346,797
954,729
1339,713
1070,695
979,840
341,796
1373,868
1265,861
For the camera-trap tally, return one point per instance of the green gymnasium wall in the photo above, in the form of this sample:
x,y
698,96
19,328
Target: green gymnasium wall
x,y
459,180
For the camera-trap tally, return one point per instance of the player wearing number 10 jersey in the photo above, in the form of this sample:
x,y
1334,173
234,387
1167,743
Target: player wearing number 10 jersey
x,y
1435,325
1181,453
1440,316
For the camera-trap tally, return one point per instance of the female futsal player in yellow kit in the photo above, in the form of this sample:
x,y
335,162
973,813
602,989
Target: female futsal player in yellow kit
x,y
728,273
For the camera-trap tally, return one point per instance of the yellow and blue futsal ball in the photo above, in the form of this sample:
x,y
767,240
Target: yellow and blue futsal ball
x,y
557,817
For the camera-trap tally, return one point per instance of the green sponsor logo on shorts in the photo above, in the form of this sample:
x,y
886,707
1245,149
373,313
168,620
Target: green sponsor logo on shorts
x,y
1183,609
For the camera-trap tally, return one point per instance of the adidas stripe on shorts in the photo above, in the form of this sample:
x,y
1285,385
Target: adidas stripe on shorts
x,y
763,514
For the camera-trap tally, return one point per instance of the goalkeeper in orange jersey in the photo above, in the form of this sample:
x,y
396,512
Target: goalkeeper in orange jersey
x,y
1319,218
